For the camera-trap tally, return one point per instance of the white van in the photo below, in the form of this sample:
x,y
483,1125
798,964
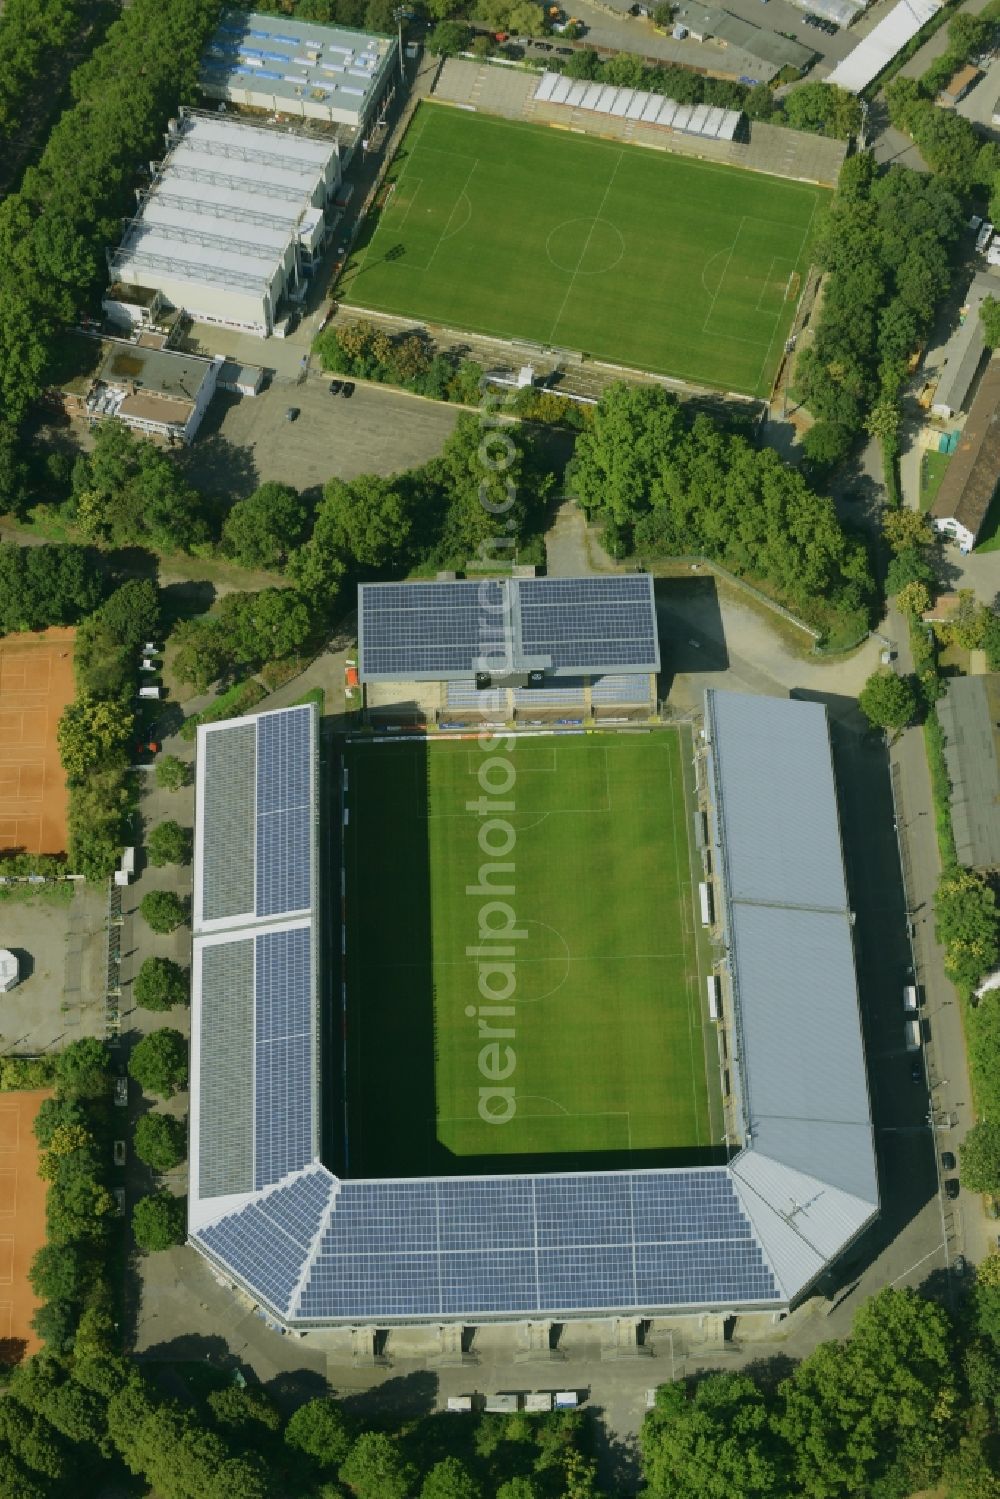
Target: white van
x,y
913,1037
911,1000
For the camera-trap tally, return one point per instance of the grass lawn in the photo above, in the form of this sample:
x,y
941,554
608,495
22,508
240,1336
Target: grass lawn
x,y
606,1020
932,471
521,231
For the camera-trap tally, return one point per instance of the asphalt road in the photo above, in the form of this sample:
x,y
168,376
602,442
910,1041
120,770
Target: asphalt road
x,y
247,440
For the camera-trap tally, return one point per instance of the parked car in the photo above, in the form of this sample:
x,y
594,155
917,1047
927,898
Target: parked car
x,y
951,1188
948,1162
958,1264
336,386
543,46
348,390
292,414
916,1072
292,322
564,51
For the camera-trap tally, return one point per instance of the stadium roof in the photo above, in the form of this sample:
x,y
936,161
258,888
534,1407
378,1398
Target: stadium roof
x,y
807,1176
563,626
315,1249
633,104
874,54
254,1023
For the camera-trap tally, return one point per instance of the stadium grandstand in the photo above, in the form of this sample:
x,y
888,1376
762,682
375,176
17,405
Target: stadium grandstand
x,y
703,120
513,649
314,1249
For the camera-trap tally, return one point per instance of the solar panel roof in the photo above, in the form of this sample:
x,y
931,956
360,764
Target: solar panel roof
x,y
562,626
253,836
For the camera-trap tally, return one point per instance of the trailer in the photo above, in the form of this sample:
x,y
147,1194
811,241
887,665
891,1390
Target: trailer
x,y
911,999
705,899
714,1006
914,1039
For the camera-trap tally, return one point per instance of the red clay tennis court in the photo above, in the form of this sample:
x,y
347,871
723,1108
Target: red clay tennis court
x,y
22,1218
36,683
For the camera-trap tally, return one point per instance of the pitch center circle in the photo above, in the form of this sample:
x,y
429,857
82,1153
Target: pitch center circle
x,y
585,247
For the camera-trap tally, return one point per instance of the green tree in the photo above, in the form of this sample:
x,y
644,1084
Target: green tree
x,y
888,701
54,1113
987,1307
868,1413
367,521
202,652
910,565
82,1071
159,1063
160,1141
713,1444
160,984
450,1479
979,1156
126,491
376,1469
162,910
913,599
169,843
906,530
826,443
320,1430
265,626
92,732
968,927
448,38
60,1272
46,585
172,774
158,1221
519,1488
263,529
246,1414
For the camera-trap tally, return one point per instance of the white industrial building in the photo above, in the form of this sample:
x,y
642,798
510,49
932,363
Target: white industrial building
x,y
294,68
234,219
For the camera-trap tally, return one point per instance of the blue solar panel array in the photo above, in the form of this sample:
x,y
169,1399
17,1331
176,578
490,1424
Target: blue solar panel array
x,y
412,629
284,812
266,1244
586,623
283,1055
545,1244
566,625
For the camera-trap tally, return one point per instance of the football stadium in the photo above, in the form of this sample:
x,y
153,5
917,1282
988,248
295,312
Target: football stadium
x,y
664,262
514,1021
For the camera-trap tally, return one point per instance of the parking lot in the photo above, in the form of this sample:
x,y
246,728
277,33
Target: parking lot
x,y
246,440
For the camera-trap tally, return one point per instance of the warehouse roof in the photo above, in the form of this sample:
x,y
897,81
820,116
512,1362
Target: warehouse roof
x,y
970,718
224,204
755,41
332,66
874,54
970,480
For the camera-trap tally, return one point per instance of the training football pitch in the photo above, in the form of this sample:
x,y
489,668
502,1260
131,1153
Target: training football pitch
x,y
579,1041
655,260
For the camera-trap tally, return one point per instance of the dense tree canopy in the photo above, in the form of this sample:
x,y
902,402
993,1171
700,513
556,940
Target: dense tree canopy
x,y
664,486
128,491
886,244
968,926
47,585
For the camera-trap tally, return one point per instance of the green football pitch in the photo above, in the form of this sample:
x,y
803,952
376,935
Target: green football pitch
x,y
586,1044
655,260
